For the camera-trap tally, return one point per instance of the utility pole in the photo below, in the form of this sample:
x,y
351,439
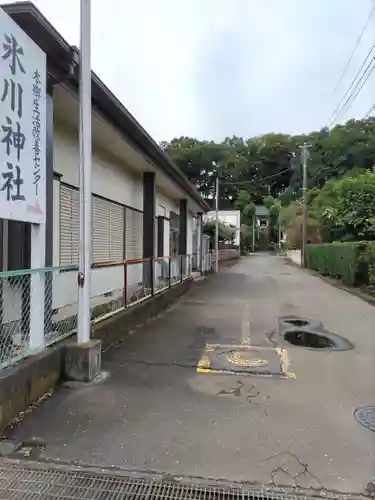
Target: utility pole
x,y
217,223
305,152
253,233
84,275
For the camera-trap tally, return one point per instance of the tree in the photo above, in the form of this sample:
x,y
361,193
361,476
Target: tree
x,y
244,204
270,164
345,208
246,241
290,219
226,233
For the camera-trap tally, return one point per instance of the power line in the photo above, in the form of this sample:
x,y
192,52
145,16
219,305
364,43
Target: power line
x,y
346,107
354,50
367,115
351,85
258,180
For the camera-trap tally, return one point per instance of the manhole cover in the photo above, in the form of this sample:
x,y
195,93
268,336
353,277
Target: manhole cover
x,y
245,358
265,361
366,417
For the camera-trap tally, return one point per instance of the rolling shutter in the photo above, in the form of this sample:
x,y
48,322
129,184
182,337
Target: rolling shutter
x,y
134,234
117,222
108,230
69,226
101,217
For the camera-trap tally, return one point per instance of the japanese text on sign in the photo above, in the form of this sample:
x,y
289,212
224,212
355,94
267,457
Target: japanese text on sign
x,y
22,122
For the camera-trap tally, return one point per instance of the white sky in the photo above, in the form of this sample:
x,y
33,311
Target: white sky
x,y
214,68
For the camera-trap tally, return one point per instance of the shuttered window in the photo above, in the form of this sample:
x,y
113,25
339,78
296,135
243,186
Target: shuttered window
x,y
117,246
133,234
107,228
101,230
69,226
174,233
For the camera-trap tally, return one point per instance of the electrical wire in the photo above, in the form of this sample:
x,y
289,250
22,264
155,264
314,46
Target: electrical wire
x,y
258,180
354,50
332,155
347,106
337,109
367,115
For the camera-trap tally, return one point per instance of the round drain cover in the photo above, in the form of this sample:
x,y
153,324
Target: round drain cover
x,y
243,358
366,417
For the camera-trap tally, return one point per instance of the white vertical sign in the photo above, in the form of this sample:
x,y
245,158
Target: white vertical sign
x,y
22,125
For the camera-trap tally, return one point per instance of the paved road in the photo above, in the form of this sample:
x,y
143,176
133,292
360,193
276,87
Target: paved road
x,y
156,412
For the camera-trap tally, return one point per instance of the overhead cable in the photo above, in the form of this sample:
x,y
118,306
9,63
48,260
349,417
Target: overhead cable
x,y
354,49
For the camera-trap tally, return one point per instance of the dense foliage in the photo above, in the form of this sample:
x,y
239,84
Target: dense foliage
x,y
345,208
226,232
352,262
270,164
267,170
338,260
290,220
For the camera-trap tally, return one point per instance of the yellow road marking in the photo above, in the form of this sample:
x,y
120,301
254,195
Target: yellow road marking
x,y
205,363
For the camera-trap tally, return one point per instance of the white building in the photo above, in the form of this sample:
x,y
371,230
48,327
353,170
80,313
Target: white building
x,y
231,218
143,206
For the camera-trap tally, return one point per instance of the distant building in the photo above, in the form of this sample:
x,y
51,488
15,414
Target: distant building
x,y
231,218
261,215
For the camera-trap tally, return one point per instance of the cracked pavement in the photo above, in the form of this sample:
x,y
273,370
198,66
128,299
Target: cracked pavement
x,y
155,412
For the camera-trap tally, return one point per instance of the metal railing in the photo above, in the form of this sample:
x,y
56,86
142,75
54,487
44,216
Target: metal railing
x,y
115,285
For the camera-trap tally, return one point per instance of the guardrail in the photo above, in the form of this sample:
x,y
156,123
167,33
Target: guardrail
x,y
115,285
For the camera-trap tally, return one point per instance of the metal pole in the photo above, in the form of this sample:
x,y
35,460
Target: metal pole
x,y
217,224
84,276
253,233
305,147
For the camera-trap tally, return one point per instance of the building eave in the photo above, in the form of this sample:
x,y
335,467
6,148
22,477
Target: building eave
x,y
63,64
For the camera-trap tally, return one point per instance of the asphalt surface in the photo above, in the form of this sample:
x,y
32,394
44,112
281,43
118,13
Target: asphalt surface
x,y
156,412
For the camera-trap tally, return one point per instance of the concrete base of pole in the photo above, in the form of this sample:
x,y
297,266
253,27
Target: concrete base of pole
x,y
83,361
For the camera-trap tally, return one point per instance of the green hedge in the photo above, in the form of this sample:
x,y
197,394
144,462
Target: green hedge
x,y
352,262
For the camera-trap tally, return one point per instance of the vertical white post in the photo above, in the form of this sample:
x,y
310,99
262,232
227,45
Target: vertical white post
x,y
253,233
37,286
199,242
84,278
217,224
305,147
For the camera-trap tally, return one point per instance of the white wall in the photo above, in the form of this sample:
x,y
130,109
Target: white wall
x,y
189,231
111,180
165,205
56,223
166,238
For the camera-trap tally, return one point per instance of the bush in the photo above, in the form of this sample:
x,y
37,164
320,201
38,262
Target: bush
x,y
346,207
350,261
367,263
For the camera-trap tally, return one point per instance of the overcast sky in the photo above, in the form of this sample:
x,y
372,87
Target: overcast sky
x,y
214,68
